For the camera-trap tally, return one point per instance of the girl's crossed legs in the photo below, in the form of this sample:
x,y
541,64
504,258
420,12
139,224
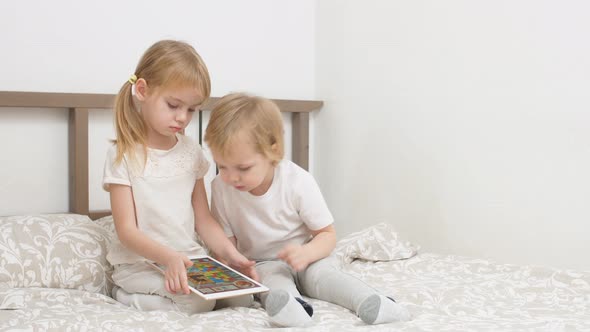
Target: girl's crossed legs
x,y
142,287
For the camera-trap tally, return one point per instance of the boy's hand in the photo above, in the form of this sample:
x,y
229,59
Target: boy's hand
x,y
175,274
295,255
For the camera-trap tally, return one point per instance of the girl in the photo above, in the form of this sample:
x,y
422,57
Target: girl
x,y
155,178
274,213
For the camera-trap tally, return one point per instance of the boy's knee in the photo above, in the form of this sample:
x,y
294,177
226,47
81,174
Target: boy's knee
x,y
273,269
319,274
318,268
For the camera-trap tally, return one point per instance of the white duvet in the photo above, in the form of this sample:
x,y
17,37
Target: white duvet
x,y
443,293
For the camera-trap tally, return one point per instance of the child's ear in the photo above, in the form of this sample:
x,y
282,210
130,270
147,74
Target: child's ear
x,y
141,89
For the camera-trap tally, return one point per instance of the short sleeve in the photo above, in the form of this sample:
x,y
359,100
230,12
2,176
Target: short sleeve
x,y
201,162
218,210
115,173
312,207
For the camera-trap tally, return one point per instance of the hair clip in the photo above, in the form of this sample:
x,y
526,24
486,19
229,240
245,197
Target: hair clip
x,y
132,79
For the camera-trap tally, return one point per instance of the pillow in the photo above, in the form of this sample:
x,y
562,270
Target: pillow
x,y
376,243
109,226
54,251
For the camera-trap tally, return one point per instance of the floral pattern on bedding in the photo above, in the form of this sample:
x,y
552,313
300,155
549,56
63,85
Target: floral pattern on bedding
x,y
376,243
443,293
54,251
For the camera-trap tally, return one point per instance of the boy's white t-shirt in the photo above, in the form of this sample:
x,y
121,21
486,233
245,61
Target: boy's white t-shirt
x,y
162,194
263,225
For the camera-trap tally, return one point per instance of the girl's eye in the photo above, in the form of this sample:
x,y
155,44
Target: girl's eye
x,y
243,169
192,110
172,106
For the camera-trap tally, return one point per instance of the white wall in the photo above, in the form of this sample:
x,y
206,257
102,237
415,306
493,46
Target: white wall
x,y
462,123
262,46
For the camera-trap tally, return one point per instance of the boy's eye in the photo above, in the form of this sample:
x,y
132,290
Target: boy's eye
x,y
192,110
172,106
243,169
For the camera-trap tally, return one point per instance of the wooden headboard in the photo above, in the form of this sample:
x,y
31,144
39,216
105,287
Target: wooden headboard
x,y
79,104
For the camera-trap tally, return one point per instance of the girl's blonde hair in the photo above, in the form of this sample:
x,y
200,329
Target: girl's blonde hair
x,y
166,64
259,118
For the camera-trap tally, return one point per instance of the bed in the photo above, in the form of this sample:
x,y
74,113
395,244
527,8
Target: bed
x,y
54,274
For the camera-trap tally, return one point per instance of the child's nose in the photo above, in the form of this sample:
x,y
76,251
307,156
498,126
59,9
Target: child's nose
x,y
234,177
181,116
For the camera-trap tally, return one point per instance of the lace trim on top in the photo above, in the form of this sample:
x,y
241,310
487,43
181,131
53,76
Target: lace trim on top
x,y
185,157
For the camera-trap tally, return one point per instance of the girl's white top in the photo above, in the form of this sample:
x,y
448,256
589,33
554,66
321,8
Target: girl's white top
x,y
162,193
263,225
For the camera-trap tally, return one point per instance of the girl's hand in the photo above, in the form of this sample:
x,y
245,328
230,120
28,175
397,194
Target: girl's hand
x,y
243,264
175,274
296,256
250,271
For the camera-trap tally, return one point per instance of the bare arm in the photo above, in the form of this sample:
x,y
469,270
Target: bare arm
x,y
234,241
125,224
208,229
213,235
320,246
135,240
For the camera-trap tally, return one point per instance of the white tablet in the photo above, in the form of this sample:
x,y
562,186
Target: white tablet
x,y
211,279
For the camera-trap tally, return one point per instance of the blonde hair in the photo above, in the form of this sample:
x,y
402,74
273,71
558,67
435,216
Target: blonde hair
x,y
166,64
259,118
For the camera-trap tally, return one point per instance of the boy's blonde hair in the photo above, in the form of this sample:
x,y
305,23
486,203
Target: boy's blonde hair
x,y
259,118
166,64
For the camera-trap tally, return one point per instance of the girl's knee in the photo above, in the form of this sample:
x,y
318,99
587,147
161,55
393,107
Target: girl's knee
x,y
192,304
237,301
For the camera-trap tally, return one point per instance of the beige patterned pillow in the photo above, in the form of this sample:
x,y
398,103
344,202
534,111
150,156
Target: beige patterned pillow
x,y
54,251
376,243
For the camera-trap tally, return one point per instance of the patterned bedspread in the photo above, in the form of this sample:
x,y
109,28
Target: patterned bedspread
x,y
443,293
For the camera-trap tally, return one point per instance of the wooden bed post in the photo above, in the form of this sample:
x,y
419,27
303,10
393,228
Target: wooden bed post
x,y
300,137
78,105
78,160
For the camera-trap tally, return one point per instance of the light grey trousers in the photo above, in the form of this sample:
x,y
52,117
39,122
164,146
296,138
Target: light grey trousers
x,y
147,292
323,280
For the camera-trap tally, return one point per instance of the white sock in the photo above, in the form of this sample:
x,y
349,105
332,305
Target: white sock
x,y
378,309
285,310
121,296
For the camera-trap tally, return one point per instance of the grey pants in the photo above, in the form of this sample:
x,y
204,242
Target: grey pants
x,y
322,280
